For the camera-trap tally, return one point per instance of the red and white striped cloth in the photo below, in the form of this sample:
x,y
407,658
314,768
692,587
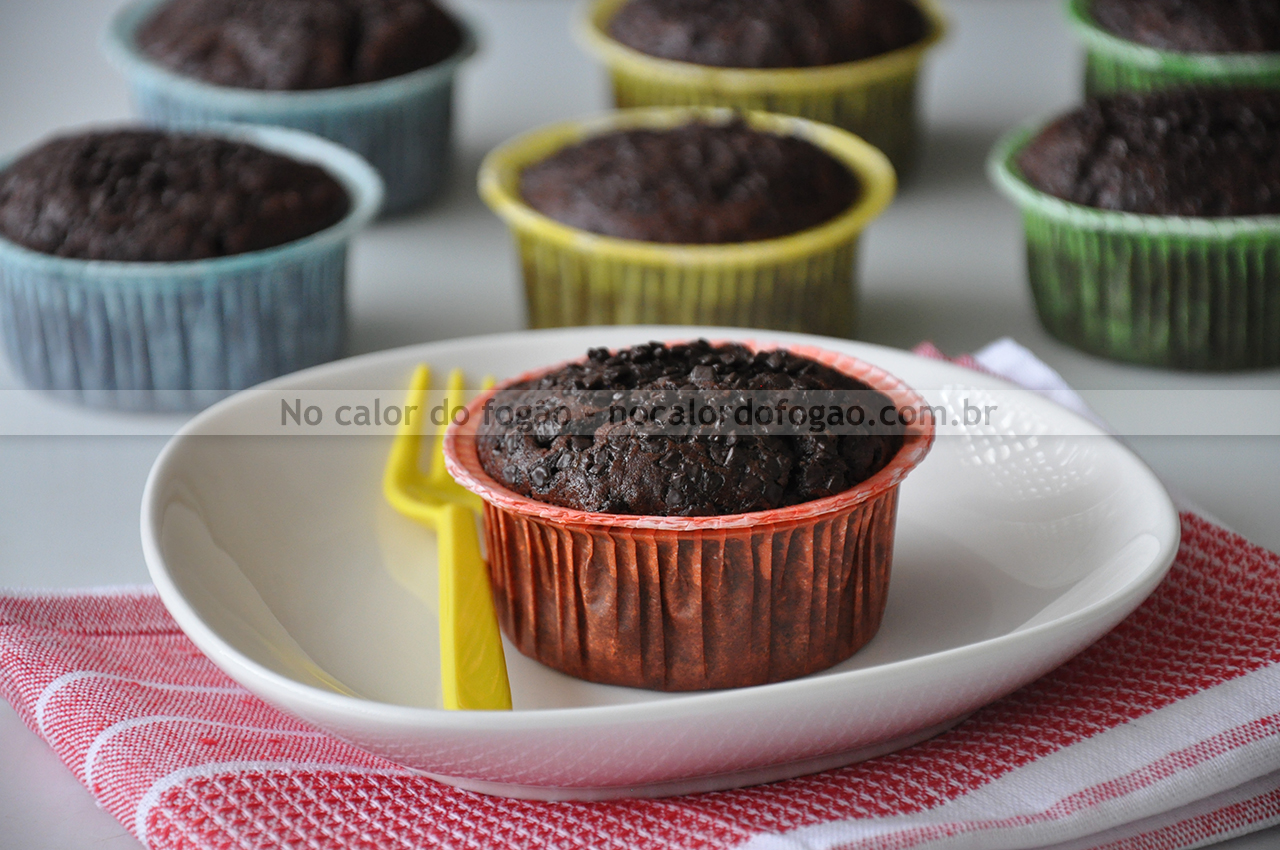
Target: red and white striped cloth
x,y
1164,734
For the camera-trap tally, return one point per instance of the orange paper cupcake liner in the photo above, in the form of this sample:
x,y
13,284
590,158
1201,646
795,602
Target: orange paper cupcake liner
x,y
692,603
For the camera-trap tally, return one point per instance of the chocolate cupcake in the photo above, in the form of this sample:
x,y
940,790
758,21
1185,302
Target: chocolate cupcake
x,y
1175,153
1145,45
161,271
295,45
689,216
768,33
695,184
1193,26
1152,225
146,196
759,557
373,75
599,462
850,63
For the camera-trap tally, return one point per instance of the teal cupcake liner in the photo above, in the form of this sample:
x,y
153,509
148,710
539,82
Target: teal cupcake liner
x,y
402,126
181,335
1165,291
1114,64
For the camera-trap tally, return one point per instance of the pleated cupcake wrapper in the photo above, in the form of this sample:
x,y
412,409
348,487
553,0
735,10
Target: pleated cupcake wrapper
x,y
1114,64
179,336
802,282
402,126
1163,291
873,98
680,611
573,285
173,344
679,603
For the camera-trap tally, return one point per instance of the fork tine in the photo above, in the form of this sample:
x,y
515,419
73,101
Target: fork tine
x,y
454,396
402,478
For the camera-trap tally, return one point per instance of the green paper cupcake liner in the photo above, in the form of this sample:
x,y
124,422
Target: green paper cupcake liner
x,y
873,98
1166,291
802,282
1114,64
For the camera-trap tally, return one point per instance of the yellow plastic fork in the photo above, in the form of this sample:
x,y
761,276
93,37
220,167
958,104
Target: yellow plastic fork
x,y
473,670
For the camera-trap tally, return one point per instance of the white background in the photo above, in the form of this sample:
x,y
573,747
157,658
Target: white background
x,y
945,263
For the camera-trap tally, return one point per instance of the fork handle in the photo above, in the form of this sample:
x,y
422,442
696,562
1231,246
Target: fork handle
x,y
472,665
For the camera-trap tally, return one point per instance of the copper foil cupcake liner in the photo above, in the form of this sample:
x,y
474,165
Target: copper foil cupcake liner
x,y
680,603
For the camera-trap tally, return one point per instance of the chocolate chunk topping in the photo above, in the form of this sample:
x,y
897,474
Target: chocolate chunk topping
x,y
700,183
298,44
624,468
150,196
1188,153
768,33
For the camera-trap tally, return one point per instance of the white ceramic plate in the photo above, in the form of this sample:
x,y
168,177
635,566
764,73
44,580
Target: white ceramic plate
x,y
1019,543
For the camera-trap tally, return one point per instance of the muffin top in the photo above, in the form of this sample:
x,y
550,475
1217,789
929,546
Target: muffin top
x,y
1193,26
695,184
768,33
151,196
298,44
1185,153
583,454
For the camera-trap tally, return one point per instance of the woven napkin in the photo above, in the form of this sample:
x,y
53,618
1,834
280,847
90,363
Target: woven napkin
x,y
1164,734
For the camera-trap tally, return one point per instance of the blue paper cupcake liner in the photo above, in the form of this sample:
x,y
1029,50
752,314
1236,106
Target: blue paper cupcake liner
x,y
181,335
402,125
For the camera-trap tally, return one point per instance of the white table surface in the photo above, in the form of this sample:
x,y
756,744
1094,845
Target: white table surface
x,y
945,263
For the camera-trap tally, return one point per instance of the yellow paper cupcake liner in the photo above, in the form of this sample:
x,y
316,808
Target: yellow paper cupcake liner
x,y
802,282
873,98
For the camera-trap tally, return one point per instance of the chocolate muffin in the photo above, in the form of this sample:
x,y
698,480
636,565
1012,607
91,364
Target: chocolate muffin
x,y
140,195
1193,26
1178,153
584,457
768,33
695,184
298,44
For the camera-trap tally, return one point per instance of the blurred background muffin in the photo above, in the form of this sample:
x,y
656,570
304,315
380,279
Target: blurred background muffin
x,y
678,216
1194,26
768,33
295,45
696,183
143,195
1140,45
162,271
1153,225
373,75
853,64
